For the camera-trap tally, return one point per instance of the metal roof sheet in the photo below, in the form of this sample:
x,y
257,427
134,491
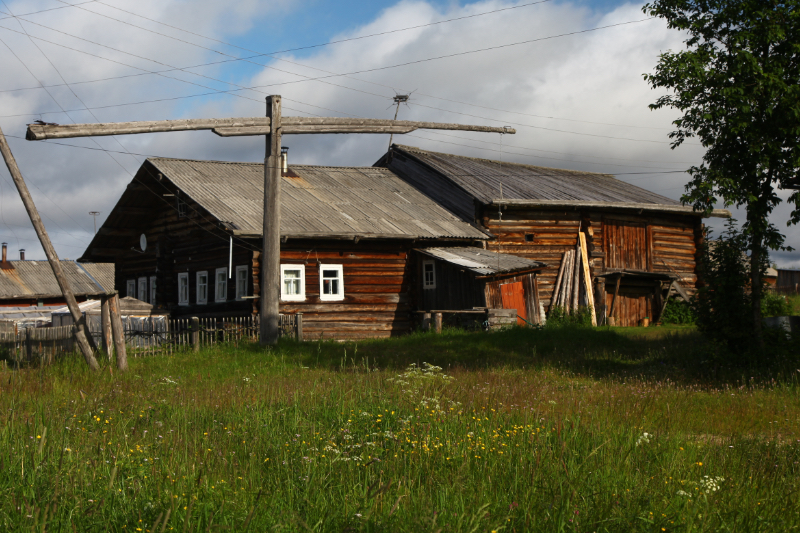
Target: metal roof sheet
x,y
316,200
35,279
482,261
484,178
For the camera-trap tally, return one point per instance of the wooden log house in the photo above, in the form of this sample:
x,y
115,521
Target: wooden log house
x,y
347,234
537,212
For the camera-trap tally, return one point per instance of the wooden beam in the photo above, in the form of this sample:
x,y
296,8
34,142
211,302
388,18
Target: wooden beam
x,y
81,331
299,130
587,278
271,231
118,332
616,293
37,132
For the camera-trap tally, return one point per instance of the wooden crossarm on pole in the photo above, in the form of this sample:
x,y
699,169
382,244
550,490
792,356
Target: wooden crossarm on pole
x,y
41,132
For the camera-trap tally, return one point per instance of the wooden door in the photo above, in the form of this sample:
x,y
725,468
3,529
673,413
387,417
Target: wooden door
x,y
626,244
513,295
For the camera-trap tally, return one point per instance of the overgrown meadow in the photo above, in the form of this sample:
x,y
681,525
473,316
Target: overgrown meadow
x,y
560,429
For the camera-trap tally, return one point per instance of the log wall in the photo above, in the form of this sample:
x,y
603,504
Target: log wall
x,y
667,244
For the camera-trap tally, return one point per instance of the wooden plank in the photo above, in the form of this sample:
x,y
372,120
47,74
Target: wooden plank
x,y
576,280
118,333
37,132
587,279
616,295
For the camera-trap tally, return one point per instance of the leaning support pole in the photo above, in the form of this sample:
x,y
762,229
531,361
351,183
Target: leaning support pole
x,y
80,321
118,332
271,263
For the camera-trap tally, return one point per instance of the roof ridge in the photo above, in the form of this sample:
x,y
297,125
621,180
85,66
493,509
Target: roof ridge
x,y
250,163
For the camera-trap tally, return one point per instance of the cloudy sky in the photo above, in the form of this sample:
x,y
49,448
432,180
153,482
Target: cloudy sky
x,y
574,93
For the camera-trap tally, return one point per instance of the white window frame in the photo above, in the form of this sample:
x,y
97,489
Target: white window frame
x,y
204,300
153,286
301,296
181,299
331,297
131,288
224,297
241,294
432,284
141,292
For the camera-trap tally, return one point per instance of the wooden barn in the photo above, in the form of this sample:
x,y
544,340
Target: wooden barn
x,y
463,278
537,213
186,237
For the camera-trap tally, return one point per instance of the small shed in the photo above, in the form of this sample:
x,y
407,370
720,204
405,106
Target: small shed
x,y
464,278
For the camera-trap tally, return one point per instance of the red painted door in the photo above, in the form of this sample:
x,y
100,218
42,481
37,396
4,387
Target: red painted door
x,y
514,298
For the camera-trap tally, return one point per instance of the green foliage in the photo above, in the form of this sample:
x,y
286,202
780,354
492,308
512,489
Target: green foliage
x,y
738,86
775,305
558,317
724,301
678,312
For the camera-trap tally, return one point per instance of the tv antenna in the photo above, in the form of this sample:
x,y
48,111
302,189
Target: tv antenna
x,y
94,216
398,99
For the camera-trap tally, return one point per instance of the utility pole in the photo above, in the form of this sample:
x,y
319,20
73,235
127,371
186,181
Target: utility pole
x,y
398,99
273,126
81,331
94,217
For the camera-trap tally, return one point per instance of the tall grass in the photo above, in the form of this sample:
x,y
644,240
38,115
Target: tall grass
x,y
566,429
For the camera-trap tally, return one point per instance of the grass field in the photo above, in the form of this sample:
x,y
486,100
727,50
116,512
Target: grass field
x,y
561,429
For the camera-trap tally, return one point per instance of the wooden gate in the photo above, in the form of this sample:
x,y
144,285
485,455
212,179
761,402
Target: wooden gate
x,y
513,295
626,245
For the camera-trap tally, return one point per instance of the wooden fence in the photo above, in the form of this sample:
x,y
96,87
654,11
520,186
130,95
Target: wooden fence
x,y
144,336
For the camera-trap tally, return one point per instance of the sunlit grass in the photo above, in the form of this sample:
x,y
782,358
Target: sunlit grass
x,y
532,430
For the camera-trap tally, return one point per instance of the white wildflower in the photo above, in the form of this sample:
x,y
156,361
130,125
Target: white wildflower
x,y
644,438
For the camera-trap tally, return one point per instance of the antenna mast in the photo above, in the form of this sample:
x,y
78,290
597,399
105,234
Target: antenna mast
x,y
398,99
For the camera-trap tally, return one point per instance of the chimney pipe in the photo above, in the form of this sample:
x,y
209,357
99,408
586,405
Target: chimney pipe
x,y
22,254
5,252
284,160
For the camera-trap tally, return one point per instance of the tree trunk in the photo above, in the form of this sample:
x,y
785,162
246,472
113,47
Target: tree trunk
x,y
756,286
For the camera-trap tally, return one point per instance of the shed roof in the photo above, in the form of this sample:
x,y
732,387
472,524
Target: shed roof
x,y
316,201
482,261
514,184
35,279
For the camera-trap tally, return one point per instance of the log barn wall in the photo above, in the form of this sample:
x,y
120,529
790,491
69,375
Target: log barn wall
x,y
665,244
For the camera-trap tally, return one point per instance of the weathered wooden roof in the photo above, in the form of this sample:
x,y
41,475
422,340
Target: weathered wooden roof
x,y
316,201
35,279
458,182
483,178
482,262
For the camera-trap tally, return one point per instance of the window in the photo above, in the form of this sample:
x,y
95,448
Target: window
x,y
428,275
293,282
331,283
529,237
153,291
183,288
202,288
142,289
131,290
183,209
221,285
241,282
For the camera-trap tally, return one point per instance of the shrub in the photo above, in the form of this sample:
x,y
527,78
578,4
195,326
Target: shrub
x,y
559,317
678,312
775,305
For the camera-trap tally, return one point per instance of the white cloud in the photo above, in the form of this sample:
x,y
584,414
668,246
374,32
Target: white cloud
x,y
591,77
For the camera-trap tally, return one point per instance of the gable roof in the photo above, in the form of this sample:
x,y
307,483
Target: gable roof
x,y
35,279
482,262
315,201
493,182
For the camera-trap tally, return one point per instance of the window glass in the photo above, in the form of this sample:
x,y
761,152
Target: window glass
x,y
183,288
142,289
241,282
428,275
331,282
202,287
293,282
153,290
131,290
222,285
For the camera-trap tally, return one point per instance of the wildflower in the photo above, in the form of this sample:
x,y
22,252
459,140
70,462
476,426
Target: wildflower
x,y
644,438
